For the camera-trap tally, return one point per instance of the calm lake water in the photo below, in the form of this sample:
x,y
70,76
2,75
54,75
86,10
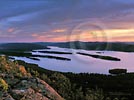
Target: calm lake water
x,y
81,63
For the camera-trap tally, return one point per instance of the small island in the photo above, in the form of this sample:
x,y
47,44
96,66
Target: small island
x,y
100,56
117,71
55,52
33,58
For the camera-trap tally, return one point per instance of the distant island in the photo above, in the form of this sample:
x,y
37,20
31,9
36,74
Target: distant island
x,y
100,56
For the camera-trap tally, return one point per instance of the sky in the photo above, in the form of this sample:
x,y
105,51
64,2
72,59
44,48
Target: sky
x,y
66,20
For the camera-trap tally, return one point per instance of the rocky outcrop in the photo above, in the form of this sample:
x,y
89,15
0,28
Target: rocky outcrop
x,y
29,89
17,84
34,88
28,94
6,96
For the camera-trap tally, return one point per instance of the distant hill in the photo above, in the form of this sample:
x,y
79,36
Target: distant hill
x,y
21,46
112,46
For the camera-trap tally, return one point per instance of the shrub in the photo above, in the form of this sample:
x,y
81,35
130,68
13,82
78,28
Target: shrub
x,y
3,85
22,70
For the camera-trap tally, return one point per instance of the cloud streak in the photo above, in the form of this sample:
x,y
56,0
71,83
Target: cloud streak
x,y
31,20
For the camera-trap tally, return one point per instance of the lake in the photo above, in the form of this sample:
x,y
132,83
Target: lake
x,y
81,63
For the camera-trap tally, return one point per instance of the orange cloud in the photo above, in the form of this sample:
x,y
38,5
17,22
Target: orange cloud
x,y
40,37
34,35
11,30
122,39
59,30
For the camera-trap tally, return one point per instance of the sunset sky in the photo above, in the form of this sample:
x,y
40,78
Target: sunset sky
x,y
66,20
